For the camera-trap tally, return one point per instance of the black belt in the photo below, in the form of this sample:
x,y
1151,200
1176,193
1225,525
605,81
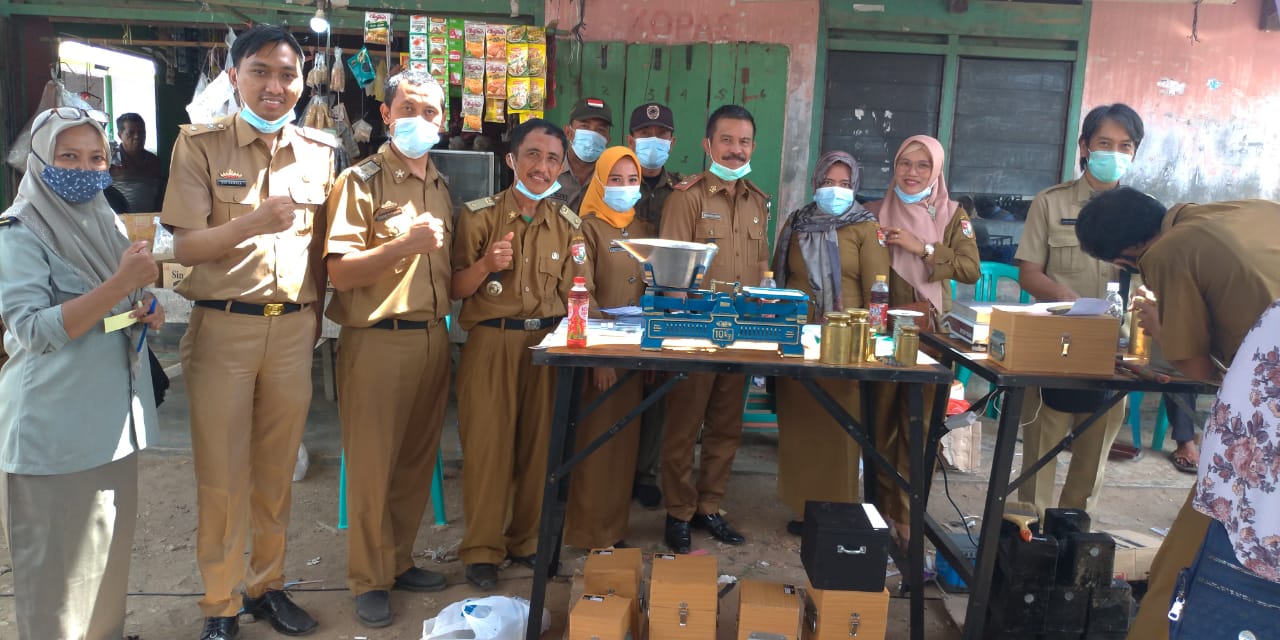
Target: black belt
x,y
249,309
395,324
529,324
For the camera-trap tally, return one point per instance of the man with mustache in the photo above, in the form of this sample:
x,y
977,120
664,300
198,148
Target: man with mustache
x,y
244,198
590,122
717,206
514,258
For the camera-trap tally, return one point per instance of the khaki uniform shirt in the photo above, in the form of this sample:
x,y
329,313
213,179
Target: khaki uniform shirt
x,y
1214,269
571,191
547,252
652,199
704,208
615,279
371,204
222,171
1049,239
861,258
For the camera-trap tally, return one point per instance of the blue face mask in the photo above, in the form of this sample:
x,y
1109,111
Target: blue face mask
x,y
536,197
727,174
833,200
588,145
414,136
912,199
1109,166
76,186
622,199
264,126
653,152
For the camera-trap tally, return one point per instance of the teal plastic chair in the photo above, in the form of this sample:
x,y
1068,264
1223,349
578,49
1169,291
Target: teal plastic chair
x,y
985,291
759,410
1135,421
437,491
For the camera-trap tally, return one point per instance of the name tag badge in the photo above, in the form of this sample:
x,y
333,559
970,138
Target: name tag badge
x,y
1067,222
230,178
707,215
616,249
387,210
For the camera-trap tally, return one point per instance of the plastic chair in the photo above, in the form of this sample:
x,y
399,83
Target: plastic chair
x,y
1135,421
985,290
437,491
759,410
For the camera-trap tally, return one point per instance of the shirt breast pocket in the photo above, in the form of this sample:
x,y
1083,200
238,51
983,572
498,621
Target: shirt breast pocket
x,y
1065,255
308,198
710,231
229,204
387,225
66,283
550,272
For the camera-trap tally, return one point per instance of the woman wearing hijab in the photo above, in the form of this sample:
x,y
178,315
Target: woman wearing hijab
x,y
827,249
930,241
78,402
600,488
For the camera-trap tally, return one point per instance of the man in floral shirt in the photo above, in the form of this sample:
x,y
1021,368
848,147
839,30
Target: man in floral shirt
x,y
1211,271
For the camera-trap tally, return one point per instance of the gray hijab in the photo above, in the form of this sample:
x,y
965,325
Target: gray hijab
x,y
819,245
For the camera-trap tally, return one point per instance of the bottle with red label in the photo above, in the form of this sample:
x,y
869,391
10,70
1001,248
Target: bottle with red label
x,y
879,306
579,306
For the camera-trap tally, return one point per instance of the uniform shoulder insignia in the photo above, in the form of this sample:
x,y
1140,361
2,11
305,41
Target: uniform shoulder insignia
x,y
443,178
480,204
753,187
367,170
203,128
569,215
684,185
315,135
8,221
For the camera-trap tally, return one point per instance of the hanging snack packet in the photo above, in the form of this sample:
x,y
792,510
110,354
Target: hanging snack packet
x,y
537,93
361,66
495,78
455,68
495,110
474,35
437,27
472,77
418,24
537,60
438,47
418,47
518,90
516,34
377,27
536,35
496,42
517,60
338,79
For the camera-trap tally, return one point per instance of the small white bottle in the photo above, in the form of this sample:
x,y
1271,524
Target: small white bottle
x,y
1116,309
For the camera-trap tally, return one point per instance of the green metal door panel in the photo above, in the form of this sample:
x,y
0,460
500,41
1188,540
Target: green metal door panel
x,y
686,92
598,73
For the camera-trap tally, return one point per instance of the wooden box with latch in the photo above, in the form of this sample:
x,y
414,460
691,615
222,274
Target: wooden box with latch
x,y
617,572
768,608
601,617
683,597
1033,339
839,615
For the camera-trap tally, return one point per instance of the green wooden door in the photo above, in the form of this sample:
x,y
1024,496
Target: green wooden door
x,y
693,80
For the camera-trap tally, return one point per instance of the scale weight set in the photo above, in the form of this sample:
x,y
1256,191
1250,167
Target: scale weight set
x,y
676,306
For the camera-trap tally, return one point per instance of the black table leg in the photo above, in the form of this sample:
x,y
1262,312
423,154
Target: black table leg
x,y
917,502
993,513
869,470
555,495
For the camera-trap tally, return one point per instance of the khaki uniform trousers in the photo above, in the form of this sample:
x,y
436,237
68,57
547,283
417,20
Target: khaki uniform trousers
x,y
711,402
817,460
393,387
1088,453
650,446
504,417
1176,553
599,507
249,385
893,428
71,563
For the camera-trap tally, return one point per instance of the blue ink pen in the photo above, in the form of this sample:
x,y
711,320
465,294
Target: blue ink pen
x,y
142,338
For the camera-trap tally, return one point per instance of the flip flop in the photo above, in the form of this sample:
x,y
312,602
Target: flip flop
x,y
1181,463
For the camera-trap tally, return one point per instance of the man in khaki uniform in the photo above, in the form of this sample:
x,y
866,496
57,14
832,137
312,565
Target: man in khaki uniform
x,y
245,194
718,206
514,257
388,259
590,123
1053,267
1213,269
652,132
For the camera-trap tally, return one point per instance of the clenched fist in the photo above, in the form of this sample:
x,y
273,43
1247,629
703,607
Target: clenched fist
x,y
274,215
424,236
497,256
137,268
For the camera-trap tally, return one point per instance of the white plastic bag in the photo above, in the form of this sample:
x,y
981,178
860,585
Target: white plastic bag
x,y
55,95
162,246
304,462
217,100
489,618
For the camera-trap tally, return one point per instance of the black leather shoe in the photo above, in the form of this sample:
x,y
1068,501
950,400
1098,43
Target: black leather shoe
x,y
483,575
285,616
719,528
221,628
795,527
677,537
649,496
373,608
420,580
524,561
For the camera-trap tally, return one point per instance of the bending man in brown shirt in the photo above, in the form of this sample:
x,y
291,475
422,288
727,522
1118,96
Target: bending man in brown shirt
x,y
388,257
514,258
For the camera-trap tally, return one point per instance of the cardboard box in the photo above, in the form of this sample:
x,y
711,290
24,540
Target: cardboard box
x,y
1033,339
140,226
172,273
601,617
839,615
1134,553
768,607
617,572
683,597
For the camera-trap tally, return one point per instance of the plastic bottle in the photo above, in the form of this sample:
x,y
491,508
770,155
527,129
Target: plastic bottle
x,y
1116,310
879,306
767,282
578,308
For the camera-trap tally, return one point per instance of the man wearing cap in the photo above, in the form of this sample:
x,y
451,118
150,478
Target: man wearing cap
x,y
590,123
652,132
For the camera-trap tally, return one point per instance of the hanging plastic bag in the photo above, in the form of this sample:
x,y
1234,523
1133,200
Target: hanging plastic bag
x,y
217,100
489,618
338,79
361,66
319,74
362,131
55,95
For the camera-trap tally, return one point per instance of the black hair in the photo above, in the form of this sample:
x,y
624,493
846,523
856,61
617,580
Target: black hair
x,y
416,78
1117,220
258,37
733,112
130,117
536,124
1119,113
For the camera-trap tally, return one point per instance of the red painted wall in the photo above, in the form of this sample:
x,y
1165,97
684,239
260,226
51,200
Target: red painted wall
x,y
1211,108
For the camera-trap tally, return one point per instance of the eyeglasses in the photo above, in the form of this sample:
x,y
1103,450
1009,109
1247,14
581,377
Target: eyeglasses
x,y
75,113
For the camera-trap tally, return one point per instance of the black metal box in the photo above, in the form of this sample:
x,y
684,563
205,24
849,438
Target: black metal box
x,y
1088,560
844,546
1111,608
1026,565
1068,610
1061,522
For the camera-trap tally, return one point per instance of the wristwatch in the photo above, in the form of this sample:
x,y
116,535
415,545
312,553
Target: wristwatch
x,y
928,252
